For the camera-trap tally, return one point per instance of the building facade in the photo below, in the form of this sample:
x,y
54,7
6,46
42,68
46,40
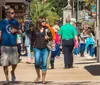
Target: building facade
x,y
21,8
2,3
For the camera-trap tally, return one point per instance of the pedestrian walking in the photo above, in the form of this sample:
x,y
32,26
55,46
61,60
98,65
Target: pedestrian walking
x,y
82,42
90,44
57,40
40,41
19,42
54,53
68,34
28,43
49,45
23,29
9,28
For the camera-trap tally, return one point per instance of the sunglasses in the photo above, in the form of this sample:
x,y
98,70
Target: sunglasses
x,y
12,13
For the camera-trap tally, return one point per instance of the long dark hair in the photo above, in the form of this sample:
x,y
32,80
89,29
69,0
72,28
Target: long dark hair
x,y
31,27
38,24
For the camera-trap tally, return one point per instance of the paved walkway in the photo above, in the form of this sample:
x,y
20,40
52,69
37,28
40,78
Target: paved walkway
x,y
85,72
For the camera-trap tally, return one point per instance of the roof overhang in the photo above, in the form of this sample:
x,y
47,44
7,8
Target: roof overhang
x,y
16,1
81,0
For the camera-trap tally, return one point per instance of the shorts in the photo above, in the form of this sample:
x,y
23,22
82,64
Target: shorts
x,y
9,55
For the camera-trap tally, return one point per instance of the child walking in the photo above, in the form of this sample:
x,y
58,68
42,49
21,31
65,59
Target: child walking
x,y
54,53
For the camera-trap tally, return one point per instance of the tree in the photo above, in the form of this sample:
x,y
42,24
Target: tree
x,y
59,4
89,3
40,9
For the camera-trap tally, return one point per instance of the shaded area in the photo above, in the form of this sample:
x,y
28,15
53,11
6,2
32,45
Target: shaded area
x,y
93,69
54,83
24,83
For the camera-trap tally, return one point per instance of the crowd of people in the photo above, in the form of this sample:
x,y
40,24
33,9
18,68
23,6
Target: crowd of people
x,y
42,43
87,43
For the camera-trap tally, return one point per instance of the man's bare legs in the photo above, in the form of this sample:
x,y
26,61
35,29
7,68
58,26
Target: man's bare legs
x,y
5,68
13,72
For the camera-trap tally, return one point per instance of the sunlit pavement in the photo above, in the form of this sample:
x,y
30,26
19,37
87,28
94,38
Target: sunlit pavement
x,y
85,72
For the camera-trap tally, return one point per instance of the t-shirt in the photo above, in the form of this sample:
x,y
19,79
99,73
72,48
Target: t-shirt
x,y
57,41
67,31
82,38
8,38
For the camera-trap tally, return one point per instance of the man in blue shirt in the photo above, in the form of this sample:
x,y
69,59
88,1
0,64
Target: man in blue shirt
x,y
9,28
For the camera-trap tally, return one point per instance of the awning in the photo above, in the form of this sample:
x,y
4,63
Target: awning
x,y
16,1
81,0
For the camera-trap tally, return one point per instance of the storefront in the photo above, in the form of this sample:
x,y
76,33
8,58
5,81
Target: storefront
x,y
20,7
2,3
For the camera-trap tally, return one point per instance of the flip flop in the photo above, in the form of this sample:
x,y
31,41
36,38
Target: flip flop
x,y
44,82
37,81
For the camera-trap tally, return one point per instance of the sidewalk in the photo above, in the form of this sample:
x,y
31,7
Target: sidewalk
x,y
85,72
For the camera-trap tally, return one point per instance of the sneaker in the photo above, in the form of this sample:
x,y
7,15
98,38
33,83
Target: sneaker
x,y
6,83
13,78
89,57
52,67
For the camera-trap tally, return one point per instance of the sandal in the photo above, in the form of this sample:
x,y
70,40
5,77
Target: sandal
x,y
37,80
44,82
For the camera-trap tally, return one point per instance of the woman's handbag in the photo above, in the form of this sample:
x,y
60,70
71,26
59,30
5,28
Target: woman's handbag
x,y
49,45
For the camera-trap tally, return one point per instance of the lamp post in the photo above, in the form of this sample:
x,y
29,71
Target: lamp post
x,y
73,7
77,6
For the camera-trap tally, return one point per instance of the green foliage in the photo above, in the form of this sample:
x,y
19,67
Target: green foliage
x,y
89,3
38,8
59,4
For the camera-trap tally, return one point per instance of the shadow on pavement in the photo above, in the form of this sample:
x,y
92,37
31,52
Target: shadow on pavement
x,y
93,69
54,83
24,83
